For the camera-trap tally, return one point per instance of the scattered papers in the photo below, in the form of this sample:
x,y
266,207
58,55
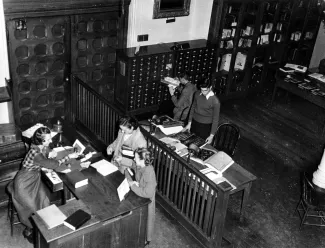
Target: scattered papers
x,y
123,189
104,167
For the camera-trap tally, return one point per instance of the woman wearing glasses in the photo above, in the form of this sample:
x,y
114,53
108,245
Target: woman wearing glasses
x,y
204,115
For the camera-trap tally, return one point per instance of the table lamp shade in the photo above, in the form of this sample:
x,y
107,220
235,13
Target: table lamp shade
x,y
319,174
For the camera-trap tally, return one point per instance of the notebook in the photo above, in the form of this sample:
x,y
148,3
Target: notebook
x,y
104,167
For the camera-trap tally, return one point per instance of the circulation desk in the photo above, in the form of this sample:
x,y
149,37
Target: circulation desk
x,y
194,200
113,223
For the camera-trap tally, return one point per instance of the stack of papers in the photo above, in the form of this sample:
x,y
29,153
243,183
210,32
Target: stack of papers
x,y
170,130
104,167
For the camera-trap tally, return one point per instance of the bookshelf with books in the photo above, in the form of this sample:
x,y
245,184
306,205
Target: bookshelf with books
x,y
254,38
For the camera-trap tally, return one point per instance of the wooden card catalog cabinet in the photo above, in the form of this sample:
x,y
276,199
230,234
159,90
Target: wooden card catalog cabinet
x,y
47,41
138,88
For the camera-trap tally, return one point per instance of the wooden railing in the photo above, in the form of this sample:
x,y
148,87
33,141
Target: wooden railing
x,y
93,111
196,202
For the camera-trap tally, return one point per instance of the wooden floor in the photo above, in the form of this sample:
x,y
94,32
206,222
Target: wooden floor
x,y
288,130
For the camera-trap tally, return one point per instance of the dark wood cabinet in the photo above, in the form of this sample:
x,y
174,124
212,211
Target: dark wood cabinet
x,y
12,152
138,88
50,40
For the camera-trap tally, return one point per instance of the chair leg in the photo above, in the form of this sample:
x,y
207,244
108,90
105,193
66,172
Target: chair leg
x,y
12,216
304,217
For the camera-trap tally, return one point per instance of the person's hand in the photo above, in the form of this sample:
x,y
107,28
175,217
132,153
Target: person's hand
x,y
131,183
209,139
53,154
118,159
109,150
171,90
73,155
187,127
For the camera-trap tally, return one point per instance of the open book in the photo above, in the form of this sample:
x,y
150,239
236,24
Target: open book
x,y
219,162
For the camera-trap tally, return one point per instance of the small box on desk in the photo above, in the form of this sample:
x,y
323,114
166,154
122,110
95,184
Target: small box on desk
x,y
52,180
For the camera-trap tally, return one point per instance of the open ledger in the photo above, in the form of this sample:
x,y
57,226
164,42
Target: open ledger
x,y
123,189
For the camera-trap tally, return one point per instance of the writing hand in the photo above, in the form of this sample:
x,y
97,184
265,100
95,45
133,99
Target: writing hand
x,y
118,159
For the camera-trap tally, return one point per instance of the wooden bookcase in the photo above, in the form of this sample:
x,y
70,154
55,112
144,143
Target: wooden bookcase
x,y
267,33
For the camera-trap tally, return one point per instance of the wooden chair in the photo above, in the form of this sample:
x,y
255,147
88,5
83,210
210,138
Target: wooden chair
x,y
226,138
311,207
12,213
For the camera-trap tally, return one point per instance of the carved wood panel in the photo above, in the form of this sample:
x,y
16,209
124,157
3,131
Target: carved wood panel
x,y
93,49
39,55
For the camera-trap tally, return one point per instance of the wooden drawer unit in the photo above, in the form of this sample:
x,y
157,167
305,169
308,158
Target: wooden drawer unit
x,y
198,60
138,88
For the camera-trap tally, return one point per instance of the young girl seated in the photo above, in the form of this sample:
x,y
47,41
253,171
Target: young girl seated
x,y
29,194
145,184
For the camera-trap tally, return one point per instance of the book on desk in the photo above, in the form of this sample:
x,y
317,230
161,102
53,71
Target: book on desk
x,y
52,216
77,179
77,219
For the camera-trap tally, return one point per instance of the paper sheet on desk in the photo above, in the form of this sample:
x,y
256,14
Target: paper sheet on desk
x,y
170,130
104,167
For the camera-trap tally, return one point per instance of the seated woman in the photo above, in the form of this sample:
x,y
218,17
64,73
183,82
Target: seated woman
x,y
130,136
204,115
145,184
183,97
29,194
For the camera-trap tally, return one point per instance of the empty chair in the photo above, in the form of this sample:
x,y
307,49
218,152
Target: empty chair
x,y
226,138
311,207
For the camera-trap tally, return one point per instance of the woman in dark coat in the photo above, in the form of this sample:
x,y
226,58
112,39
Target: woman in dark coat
x,y
145,184
29,193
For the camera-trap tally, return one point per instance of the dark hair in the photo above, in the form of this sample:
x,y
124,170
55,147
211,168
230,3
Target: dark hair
x,y
184,74
38,136
128,122
145,154
204,83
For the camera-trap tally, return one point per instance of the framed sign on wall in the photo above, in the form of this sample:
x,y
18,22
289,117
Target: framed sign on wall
x,y
171,8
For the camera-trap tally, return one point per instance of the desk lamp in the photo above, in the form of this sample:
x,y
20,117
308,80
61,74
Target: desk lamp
x,y
193,150
58,128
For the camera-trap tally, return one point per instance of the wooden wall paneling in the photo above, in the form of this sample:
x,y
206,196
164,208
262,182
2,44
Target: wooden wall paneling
x,y
39,55
94,40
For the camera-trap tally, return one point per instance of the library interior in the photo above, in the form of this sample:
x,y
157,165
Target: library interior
x,y
162,123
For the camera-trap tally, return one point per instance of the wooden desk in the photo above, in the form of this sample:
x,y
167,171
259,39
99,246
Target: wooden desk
x,y
113,223
192,198
303,93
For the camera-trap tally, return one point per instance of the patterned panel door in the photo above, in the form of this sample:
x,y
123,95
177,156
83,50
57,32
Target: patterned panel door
x,y
93,50
39,55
